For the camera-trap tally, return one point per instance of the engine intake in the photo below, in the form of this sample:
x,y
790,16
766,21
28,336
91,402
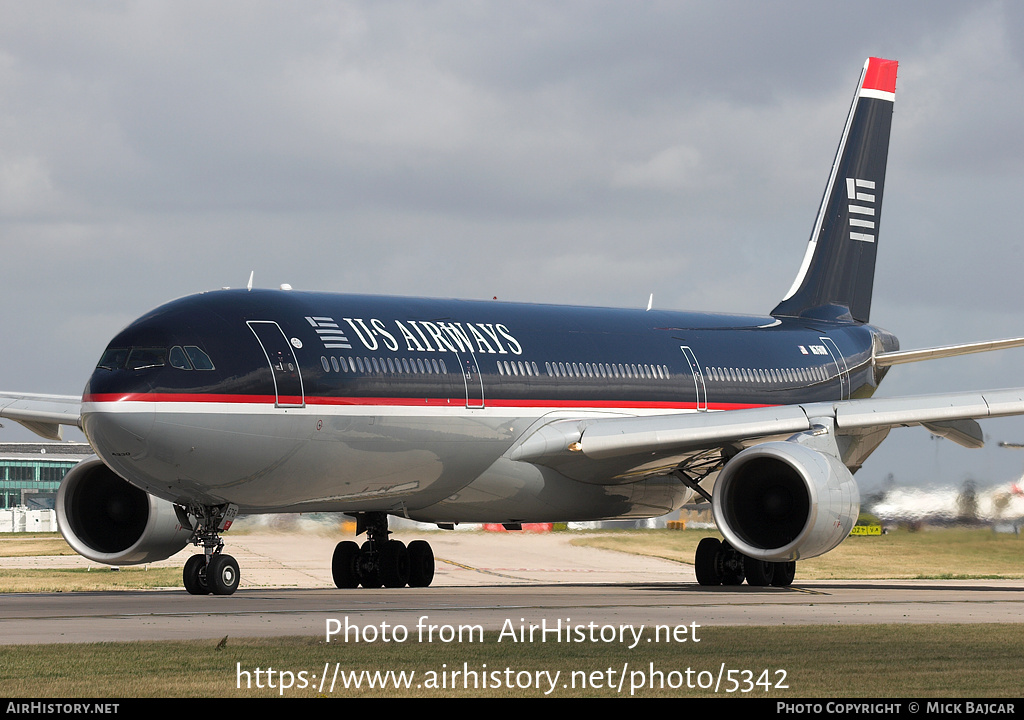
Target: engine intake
x,y
783,501
108,520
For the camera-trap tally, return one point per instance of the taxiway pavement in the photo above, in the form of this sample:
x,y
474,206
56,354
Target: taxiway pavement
x,y
481,579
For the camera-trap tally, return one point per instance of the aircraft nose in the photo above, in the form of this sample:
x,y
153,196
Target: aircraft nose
x,y
118,428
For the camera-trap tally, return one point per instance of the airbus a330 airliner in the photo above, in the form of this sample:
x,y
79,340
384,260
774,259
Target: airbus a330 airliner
x,y
445,411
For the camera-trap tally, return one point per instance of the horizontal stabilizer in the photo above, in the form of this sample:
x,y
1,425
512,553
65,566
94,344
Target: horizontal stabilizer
x,y
908,356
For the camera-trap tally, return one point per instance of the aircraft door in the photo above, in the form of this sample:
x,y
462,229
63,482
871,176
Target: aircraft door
x,y
287,377
842,370
698,378
472,379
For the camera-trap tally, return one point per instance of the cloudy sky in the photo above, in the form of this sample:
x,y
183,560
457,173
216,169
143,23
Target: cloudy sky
x,y
569,152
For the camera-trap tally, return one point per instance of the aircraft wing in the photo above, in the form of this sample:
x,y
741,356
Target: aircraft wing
x,y
627,446
42,414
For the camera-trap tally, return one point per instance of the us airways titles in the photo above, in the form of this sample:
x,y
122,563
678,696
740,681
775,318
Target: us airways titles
x,y
417,335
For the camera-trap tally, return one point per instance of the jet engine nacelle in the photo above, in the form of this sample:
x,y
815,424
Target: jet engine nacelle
x,y
109,520
783,501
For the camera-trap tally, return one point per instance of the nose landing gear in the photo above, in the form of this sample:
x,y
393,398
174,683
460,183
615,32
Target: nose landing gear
x,y
213,572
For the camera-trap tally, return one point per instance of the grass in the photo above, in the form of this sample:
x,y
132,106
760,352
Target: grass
x,y
88,579
33,544
948,553
877,661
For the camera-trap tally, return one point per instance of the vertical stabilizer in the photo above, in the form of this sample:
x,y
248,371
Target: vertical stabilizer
x,y
838,269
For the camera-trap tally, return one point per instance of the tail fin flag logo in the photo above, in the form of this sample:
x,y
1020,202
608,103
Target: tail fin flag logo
x,y
861,209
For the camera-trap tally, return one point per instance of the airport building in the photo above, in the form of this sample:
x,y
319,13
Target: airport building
x,y
30,473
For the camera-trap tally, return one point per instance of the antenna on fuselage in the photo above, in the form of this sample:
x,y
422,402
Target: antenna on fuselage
x,y
249,286
650,301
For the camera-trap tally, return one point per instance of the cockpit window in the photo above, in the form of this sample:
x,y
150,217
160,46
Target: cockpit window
x,y
113,358
200,360
178,359
142,358
189,357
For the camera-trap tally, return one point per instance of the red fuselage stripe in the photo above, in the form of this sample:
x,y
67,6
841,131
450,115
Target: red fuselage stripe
x,y
408,402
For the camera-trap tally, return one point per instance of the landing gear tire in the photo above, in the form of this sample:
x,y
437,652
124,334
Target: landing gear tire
x,y
733,578
380,561
369,571
718,563
706,563
393,564
222,574
421,564
759,572
211,572
784,573
194,576
731,562
345,565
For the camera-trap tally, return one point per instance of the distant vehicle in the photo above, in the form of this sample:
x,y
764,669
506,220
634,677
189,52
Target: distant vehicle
x,y
951,505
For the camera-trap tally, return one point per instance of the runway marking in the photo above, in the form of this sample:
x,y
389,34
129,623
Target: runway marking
x,y
480,570
807,591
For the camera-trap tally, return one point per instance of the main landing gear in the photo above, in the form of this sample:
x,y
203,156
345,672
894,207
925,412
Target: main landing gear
x,y
718,563
380,561
213,572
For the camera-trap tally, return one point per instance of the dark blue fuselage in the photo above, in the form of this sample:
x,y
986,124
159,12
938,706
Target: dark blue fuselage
x,y
362,348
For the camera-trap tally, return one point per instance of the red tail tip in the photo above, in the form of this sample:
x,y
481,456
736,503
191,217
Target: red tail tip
x,y
880,75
